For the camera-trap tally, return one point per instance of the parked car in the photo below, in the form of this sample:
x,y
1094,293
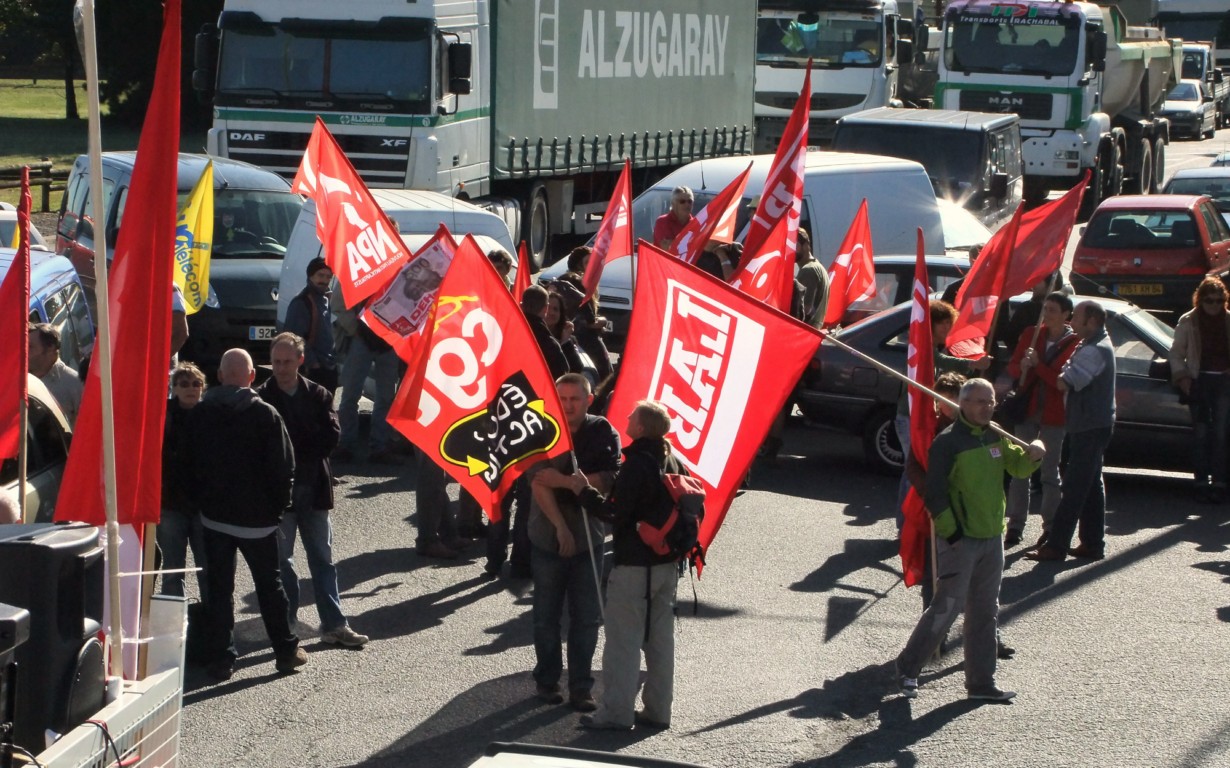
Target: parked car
x,y
47,450
243,272
1152,428
56,297
8,230
1191,110
1223,158
895,282
1214,182
1152,250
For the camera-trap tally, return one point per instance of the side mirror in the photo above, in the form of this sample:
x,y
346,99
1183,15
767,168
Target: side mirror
x,y
999,185
459,86
922,35
204,59
1218,76
460,60
1097,51
1160,369
905,50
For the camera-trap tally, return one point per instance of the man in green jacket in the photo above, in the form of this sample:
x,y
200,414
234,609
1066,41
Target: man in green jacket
x,y
965,496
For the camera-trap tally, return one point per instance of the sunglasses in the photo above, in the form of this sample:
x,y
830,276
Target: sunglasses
x,y
1213,300
193,384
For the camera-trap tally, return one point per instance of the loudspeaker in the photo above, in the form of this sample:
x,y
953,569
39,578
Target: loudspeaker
x,y
56,573
14,630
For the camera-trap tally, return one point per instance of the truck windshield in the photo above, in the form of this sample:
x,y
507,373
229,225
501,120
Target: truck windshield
x,y
296,65
981,44
1193,66
953,159
835,40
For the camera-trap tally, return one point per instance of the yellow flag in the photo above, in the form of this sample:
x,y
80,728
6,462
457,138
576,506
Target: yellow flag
x,y
194,235
16,236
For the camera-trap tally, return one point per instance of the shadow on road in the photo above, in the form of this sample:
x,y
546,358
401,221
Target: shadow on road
x,y
890,743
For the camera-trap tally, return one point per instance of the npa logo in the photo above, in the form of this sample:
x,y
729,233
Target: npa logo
x,y
696,378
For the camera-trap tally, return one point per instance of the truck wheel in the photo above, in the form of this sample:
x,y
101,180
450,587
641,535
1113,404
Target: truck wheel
x,y
1093,192
1035,192
536,225
880,444
1112,174
1142,180
1159,164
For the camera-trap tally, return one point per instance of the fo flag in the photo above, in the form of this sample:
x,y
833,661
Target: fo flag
x,y
769,276
139,319
478,399
920,367
716,221
783,189
853,277
614,238
398,313
720,362
194,235
984,288
14,309
361,244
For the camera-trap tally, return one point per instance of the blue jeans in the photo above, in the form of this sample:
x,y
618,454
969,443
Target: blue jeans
x,y
558,580
431,504
359,361
518,528
1210,406
177,531
1083,499
314,527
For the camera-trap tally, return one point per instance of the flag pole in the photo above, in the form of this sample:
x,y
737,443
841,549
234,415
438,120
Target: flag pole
x,y
997,429
102,347
1033,343
23,450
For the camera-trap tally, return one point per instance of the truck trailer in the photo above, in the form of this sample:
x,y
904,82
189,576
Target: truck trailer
x,y
527,107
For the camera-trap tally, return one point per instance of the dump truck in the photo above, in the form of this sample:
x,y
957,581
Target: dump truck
x,y
527,107
1199,64
1086,84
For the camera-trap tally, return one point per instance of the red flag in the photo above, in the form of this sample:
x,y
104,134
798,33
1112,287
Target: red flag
x,y
479,400
399,313
980,294
720,362
769,276
1042,240
614,239
361,244
523,272
920,367
14,311
139,309
783,189
716,221
853,277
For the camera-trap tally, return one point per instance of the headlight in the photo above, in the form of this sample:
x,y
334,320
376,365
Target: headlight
x,y
1067,154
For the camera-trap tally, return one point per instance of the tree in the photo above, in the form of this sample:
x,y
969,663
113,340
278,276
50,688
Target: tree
x,y
50,21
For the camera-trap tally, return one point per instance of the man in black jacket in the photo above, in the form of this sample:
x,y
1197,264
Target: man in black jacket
x,y
534,305
641,587
243,465
307,410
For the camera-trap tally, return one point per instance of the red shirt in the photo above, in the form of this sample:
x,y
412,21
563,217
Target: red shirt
x,y
667,228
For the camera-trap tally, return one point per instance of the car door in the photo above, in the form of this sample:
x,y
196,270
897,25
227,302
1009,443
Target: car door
x,y
1218,233
1152,427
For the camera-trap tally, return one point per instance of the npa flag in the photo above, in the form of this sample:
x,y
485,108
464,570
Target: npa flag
x,y
361,244
769,276
14,314
853,276
523,272
716,221
1042,240
920,367
721,363
478,398
194,235
614,238
398,313
783,189
982,291
139,310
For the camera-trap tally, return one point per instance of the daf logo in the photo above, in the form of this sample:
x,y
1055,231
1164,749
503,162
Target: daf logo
x,y
240,136
394,143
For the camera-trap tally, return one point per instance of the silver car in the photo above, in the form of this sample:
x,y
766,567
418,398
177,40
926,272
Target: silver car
x,y
1152,428
48,442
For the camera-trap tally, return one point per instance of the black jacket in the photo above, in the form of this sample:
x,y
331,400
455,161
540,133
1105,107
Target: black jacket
x,y
552,352
176,478
313,428
241,458
639,494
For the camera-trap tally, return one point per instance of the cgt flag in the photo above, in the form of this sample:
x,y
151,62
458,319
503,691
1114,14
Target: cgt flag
x,y
716,221
920,367
853,276
982,291
769,276
398,314
478,399
194,235
14,311
361,244
721,363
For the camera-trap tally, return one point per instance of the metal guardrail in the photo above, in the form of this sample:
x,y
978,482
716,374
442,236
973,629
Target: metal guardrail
x,y
42,175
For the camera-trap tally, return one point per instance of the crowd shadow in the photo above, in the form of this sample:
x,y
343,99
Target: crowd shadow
x,y
899,730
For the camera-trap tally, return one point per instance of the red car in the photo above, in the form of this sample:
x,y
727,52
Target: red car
x,y
1152,250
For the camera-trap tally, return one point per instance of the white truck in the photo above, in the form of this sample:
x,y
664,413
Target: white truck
x,y
861,52
1206,20
1086,85
528,107
1199,64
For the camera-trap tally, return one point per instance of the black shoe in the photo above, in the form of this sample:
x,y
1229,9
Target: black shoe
x,y
220,670
1003,651
518,572
583,701
549,693
1013,537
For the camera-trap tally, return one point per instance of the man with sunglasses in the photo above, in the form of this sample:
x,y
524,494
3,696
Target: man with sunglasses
x,y
670,224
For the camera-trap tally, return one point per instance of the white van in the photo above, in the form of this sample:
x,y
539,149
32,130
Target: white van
x,y
899,196
418,215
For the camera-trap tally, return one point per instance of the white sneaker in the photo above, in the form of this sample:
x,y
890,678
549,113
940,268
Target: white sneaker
x,y
346,636
909,687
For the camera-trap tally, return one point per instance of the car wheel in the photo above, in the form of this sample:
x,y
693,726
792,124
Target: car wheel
x,y
880,444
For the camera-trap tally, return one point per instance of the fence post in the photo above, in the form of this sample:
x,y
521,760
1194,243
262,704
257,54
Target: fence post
x,y
45,172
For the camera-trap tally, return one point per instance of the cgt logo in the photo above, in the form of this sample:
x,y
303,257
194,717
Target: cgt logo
x,y
242,137
696,378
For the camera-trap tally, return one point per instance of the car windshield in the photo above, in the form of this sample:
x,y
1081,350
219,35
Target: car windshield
x,y
252,223
1183,92
1023,46
952,158
1217,187
1140,230
835,39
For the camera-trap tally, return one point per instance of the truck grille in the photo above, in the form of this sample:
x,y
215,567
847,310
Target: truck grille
x,y
1030,106
380,160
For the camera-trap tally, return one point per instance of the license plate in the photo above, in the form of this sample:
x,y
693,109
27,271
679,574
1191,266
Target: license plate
x,y
1140,289
261,332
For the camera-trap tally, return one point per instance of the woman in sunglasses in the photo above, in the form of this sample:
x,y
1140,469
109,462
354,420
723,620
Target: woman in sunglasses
x,y
1200,367
180,526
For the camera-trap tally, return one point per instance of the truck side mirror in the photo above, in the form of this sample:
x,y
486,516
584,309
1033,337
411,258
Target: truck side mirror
x,y
204,59
999,185
1218,76
905,50
460,64
1097,50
